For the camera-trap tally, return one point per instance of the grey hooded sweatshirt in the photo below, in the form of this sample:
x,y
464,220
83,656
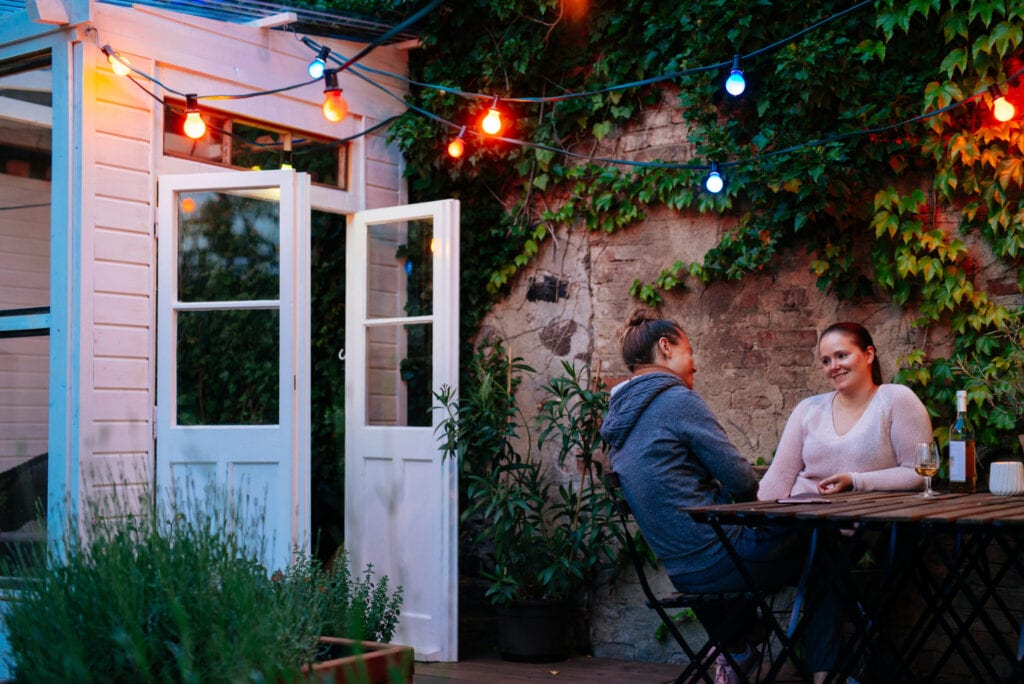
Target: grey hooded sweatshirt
x,y
670,452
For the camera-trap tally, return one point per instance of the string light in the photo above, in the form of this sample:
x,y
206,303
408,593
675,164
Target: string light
x,y
194,127
735,84
456,147
713,182
335,108
120,65
319,64
492,122
714,178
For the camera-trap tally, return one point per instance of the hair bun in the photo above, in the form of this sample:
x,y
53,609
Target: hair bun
x,y
641,315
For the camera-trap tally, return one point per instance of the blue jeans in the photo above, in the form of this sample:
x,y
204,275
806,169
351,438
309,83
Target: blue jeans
x,y
774,558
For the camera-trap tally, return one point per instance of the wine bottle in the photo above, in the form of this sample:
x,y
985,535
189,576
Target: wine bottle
x,y
962,472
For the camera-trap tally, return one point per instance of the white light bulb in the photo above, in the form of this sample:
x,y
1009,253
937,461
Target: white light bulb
x,y
1003,109
714,183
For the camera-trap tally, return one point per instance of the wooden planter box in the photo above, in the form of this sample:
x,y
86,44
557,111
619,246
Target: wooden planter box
x,y
366,662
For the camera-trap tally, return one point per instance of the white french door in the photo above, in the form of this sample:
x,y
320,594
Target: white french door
x,y
402,344
233,346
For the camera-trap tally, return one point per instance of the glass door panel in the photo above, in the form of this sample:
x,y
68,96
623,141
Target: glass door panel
x,y
229,272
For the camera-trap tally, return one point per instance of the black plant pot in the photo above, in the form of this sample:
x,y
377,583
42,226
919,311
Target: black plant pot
x,y
533,631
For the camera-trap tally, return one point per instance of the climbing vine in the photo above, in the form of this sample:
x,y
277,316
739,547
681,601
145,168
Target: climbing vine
x,y
817,162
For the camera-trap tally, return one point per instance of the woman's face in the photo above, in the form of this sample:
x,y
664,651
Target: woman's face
x,y
845,365
677,358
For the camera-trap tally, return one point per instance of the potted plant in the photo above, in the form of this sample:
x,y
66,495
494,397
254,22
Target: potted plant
x,y
994,374
541,538
356,615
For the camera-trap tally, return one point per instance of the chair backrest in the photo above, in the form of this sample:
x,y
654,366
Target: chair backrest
x,y
625,513
656,603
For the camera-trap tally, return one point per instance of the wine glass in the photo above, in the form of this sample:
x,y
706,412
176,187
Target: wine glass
x,y
927,464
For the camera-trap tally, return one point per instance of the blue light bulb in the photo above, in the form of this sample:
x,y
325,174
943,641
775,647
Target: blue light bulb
x,y
316,68
735,84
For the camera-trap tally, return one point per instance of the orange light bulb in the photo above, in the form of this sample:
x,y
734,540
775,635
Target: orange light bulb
x,y
1003,109
492,122
188,205
195,127
335,108
456,148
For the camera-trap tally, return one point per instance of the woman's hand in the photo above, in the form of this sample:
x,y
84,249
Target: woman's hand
x,y
839,482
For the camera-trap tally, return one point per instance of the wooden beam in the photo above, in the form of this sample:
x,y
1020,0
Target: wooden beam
x,y
47,11
274,20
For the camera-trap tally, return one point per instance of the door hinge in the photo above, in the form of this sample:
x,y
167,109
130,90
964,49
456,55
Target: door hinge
x,y
154,422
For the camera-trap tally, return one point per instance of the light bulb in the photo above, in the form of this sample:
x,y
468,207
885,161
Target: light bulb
x,y
119,64
319,63
492,122
1003,109
335,108
194,127
714,183
735,84
456,148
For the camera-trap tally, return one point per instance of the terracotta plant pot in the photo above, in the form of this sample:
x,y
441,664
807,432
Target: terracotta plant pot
x,y
365,662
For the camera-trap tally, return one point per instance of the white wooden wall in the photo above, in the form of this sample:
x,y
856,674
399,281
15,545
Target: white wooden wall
x,y
122,138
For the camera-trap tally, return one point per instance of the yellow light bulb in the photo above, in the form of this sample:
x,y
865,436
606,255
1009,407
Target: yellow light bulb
x,y
119,64
492,122
1003,110
195,127
456,148
335,108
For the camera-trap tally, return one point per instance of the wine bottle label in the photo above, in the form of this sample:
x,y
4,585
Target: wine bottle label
x,y
957,461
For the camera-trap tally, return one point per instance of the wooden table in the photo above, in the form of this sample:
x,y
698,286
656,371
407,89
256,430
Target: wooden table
x,y
945,543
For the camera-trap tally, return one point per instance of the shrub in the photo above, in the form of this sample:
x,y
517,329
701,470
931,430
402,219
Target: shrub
x,y
356,607
177,596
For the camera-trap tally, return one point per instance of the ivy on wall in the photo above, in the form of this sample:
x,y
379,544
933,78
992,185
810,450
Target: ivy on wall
x,y
859,195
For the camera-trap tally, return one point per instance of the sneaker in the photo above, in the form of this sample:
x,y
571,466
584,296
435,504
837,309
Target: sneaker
x,y
749,662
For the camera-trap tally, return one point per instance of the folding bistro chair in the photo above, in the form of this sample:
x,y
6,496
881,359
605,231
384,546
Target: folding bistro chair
x,y
701,660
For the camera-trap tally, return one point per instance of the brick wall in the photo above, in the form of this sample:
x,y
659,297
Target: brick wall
x,y
754,340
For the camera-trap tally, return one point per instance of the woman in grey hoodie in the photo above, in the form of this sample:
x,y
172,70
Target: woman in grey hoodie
x,y
670,452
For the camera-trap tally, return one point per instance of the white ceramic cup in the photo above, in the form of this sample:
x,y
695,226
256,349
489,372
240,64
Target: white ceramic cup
x,y
1006,478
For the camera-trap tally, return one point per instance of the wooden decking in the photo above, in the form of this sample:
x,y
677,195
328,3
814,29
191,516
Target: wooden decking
x,y
577,670
490,669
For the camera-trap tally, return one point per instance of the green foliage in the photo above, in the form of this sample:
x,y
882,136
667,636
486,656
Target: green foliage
x,y
539,539
994,374
819,159
346,605
178,596
684,616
